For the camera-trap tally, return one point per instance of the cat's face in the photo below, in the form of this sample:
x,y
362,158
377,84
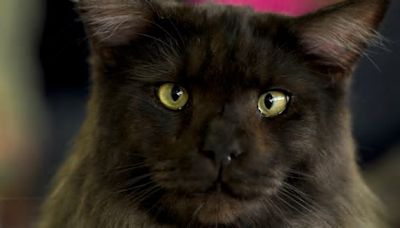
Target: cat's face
x,y
213,115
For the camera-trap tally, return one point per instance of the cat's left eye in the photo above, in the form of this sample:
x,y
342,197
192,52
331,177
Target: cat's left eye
x,y
273,103
173,96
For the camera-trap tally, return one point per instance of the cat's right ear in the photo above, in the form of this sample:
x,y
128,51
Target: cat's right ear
x,y
116,22
334,37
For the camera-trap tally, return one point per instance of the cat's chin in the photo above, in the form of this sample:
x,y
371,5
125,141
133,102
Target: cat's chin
x,y
217,206
222,208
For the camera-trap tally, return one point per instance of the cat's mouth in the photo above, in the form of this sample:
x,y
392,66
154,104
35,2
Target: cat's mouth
x,y
236,191
223,189
221,199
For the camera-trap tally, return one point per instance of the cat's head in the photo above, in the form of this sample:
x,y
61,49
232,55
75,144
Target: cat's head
x,y
209,114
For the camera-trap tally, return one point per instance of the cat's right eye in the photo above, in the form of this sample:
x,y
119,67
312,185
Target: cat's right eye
x,y
172,96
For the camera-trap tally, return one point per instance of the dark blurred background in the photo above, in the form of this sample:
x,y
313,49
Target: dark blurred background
x,y
62,87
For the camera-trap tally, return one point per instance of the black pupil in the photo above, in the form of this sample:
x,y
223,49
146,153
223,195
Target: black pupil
x,y
269,101
176,92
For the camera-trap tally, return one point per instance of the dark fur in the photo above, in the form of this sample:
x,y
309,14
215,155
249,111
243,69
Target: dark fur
x,y
137,164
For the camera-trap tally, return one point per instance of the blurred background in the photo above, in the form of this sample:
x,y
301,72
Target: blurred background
x,y
44,88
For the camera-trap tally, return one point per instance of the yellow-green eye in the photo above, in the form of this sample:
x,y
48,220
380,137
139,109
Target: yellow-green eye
x,y
173,96
273,103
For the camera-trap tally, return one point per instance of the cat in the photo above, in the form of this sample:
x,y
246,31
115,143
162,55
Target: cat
x,y
217,116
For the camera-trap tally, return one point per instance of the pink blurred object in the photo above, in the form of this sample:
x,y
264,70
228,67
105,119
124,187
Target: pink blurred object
x,y
287,7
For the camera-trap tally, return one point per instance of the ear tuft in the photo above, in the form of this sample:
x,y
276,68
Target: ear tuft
x,y
114,22
336,36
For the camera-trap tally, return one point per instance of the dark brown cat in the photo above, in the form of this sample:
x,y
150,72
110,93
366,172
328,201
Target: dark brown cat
x,y
217,116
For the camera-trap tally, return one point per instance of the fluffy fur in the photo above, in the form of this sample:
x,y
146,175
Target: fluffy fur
x,y
137,164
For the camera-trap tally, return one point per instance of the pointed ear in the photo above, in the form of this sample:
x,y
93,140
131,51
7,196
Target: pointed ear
x,y
335,37
116,22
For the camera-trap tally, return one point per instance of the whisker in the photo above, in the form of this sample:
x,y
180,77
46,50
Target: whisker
x,y
366,55
297,190
130,167
165,44
269,203
130,183
195,214
292,207
302,174
296,201
164,30
176,30
288,204
301,199
140,198
156,203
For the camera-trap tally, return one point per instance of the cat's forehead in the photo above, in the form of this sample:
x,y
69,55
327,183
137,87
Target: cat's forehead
x,y
233,44
225,48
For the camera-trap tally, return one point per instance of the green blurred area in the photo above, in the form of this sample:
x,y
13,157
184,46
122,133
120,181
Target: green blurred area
x,y
22,124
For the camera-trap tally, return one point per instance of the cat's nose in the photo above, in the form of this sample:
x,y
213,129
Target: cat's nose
x,y
221,143
222,155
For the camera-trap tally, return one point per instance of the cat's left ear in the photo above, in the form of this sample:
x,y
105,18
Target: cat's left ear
x,y
335,37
